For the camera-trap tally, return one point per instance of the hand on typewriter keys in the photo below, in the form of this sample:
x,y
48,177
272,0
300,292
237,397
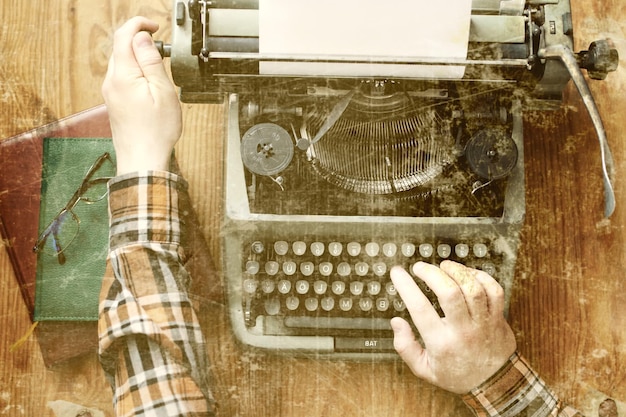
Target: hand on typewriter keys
x,y
141,100
466,346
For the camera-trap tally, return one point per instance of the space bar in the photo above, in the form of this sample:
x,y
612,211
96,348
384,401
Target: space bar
x,y
359,323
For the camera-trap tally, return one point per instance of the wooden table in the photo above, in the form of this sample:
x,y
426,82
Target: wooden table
x,y
569,304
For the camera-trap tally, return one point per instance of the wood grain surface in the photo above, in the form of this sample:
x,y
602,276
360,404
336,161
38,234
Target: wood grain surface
x,y
569,302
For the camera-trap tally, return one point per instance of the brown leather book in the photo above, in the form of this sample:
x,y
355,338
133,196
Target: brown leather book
x,y
20,191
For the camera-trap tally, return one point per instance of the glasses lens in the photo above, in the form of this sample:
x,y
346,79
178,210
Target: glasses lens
x,y
96,184
95,191
59,234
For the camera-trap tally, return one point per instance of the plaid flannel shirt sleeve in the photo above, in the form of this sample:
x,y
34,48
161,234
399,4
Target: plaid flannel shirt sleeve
x,y
150,343
516,390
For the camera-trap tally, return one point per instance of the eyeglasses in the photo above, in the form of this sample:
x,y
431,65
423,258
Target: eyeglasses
x,y
63,229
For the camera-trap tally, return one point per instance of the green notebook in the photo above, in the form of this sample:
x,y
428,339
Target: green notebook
x,y
71,259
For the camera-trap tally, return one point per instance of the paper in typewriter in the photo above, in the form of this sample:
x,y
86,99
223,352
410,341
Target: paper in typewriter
x,y
366,29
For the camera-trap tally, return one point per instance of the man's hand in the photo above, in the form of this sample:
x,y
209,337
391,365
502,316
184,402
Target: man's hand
x,y
466,346
142,103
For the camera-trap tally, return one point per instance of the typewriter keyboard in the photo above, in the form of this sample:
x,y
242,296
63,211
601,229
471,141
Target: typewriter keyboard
x,y
314,287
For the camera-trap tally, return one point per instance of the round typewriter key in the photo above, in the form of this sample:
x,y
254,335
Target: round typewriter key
x,y
407,249
354,248
272,306
281,247
268,286
444,250
335,248
317,248
320,287
461,250
390,249
372,248
257,247
311,303
480,250
328,303
271,267
292,303
299,248
426,250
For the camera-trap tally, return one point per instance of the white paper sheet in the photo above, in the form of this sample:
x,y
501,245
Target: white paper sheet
x,y
366,28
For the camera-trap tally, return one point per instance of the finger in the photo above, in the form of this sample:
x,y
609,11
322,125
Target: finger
x,y
421,310
122,45
409,349
148,58
471,288
494,292
448,293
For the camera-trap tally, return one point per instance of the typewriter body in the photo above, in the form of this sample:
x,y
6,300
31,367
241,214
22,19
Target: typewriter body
x,y
332,179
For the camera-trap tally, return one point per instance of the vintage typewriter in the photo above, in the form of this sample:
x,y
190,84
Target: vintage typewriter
x,y
331,178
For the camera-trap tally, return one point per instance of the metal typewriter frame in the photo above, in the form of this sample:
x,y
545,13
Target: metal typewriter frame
x,y
240,223
202,67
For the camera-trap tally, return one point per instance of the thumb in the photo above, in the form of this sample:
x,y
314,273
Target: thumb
x,y
409,349
148,57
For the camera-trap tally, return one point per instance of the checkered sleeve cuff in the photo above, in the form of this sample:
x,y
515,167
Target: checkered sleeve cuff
x,y
514,390
144,207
